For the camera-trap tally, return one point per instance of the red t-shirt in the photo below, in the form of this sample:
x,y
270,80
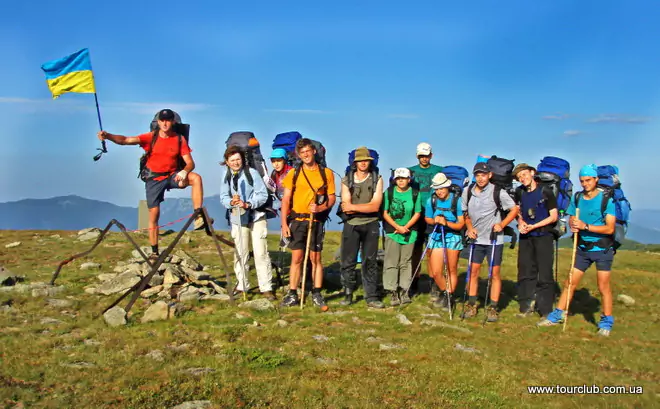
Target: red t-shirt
x,y
164,158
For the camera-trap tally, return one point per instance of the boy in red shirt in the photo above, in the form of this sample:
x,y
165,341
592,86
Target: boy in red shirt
x,y
163,168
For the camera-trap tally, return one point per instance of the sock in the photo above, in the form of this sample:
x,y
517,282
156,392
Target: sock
x,y
316,291
472,299
154,249
493,303
292,291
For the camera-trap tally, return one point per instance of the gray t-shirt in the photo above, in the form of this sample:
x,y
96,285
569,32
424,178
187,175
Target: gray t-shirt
x,y
483,211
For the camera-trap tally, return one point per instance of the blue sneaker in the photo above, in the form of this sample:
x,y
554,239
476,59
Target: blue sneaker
x,y
554,318
605,325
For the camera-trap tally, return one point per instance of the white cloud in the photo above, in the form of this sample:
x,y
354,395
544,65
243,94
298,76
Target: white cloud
x,y
556,117
573,132
619,119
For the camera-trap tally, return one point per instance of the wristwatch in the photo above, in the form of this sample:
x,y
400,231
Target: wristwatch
x,y
586,227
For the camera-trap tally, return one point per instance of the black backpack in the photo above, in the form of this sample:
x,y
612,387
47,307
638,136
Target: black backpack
x,y
181,129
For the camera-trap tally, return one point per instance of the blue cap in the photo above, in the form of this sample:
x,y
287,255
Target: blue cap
x,y
589,171
278,153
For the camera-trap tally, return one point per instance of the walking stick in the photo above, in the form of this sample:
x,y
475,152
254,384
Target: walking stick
x,y
448,291
570,272
493,242
239,250
467,279
309,242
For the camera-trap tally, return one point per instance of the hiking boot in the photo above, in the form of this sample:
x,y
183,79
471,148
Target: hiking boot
x,y
435,293
492,315
470,311
153,257
199,223
348,299
375,304
526,310
269,295
442,303
319,301
290,300
404,297
394,298
554,318
605,325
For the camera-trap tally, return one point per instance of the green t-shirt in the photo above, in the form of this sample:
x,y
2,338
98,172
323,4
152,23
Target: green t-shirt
x,y
422,178
402,210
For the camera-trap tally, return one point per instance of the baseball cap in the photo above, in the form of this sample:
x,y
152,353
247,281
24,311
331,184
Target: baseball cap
x,y
423,149
402,173
481,167
166,115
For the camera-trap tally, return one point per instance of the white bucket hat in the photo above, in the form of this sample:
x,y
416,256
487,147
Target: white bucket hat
x,y
439,181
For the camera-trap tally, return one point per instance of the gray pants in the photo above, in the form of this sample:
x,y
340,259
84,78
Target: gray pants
x,y
397,268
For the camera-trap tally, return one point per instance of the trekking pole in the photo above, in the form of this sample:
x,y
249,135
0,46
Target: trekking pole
x,y
239,250
493,242
448,291
304,272
570,272
467,279
428,243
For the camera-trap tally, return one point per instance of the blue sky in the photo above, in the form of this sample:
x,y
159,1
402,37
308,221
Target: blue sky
x,y
518,79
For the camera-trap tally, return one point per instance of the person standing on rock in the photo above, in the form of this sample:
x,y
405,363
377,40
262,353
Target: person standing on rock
x,y
166,152
242,192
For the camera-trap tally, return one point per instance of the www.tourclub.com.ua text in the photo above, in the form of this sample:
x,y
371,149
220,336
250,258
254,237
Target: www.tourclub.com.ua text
x,y
586,389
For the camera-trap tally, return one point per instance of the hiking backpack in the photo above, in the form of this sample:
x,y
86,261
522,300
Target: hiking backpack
x,y
610,185
252,158
350,173
460,179
555,174
181,129
287,141
297,170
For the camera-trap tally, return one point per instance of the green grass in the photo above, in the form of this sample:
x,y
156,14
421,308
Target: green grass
x,y
273,366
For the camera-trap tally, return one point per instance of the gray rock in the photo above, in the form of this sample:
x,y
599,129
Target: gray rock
x,y
282,323
387,347
194,275
55,236
92,342
14,244
156,280
241,315
189,294
218,289
156,355
188,261
198,371
159,310
321,338
434,323
216,297
171,276
46,291
206,268
194,404
92,235
151,291
431,315
471,350
260,304
115,316
403,319
627,300
174,259
145,249
107,276
326,361
90,289
50,321
53,302
90,266
89,230
7,278
118,284
185,239
78,365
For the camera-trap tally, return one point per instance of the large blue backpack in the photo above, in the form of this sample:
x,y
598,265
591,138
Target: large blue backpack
x,y
555,173
460,179
287,141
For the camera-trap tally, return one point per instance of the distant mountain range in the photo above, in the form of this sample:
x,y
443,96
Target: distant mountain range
x,y
75,213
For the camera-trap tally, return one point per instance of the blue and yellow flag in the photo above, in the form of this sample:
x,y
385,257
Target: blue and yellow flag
x,y
72,73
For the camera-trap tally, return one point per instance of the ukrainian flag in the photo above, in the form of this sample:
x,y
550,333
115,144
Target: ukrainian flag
x,y
72,73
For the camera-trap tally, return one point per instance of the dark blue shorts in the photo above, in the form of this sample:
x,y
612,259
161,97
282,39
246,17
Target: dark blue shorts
x,y
156,189
482,251
603,259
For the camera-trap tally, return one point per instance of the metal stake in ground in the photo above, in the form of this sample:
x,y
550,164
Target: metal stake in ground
x,y
570,272
304,272
467,279
448,292
493,242
239,249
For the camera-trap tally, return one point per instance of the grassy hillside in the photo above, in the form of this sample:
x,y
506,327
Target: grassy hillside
x,y
338,359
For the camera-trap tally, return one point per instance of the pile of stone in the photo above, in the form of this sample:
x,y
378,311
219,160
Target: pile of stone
x,y
180,277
